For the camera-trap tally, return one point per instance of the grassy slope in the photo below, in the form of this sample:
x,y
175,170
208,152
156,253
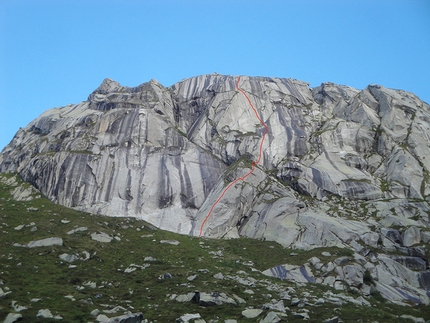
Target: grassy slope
x,y
40,273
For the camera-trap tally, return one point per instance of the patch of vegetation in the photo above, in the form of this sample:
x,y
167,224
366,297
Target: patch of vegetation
x,y
367,277
359,180
243,162
39,273
85,152
385,185
183,134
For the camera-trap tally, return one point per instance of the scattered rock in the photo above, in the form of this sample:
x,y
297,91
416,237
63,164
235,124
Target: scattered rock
x,y
18,308
171,242
187,317
165,276
251,313
271,317
44,314
275,305
86,257
204,271
216,253
239,300
80,229
185,298
127,318
3,294
191,278
413,318
90,284
68,258
149,259
101,237
302,315
212,299
95,312
295,301
13,317
48,242
102,318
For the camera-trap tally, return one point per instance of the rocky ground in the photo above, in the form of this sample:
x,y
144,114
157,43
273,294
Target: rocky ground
x,y
58,264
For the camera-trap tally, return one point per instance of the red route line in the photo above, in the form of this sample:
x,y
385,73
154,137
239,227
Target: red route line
x,y
266,130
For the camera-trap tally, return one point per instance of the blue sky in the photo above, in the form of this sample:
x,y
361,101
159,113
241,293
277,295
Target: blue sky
x,y
53,53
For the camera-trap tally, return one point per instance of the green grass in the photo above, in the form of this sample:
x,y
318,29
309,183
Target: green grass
x,y
40,273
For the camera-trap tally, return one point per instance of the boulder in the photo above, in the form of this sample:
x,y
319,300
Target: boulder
x,y
411,236
351,274
80,229
275,305
271,317
185,298
101,237
251,313
44,314
412,318
18,308
68,258
171,242
187,317
48,242
212,299
127,318
12,317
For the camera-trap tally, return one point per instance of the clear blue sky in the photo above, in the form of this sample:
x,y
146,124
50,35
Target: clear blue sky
x,y
53,53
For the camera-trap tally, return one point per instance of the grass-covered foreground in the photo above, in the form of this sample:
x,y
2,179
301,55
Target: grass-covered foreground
x,y
117,275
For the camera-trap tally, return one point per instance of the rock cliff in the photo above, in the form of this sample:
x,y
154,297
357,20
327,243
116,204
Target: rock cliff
x,y
340,167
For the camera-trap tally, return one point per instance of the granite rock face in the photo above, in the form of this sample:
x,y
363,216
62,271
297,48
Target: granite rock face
x,y
339,166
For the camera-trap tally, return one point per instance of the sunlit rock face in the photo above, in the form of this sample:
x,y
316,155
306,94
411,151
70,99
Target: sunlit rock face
x,y
339,166
164,154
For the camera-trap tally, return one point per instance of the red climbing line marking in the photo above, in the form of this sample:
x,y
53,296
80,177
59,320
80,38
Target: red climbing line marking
x,y
266,130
